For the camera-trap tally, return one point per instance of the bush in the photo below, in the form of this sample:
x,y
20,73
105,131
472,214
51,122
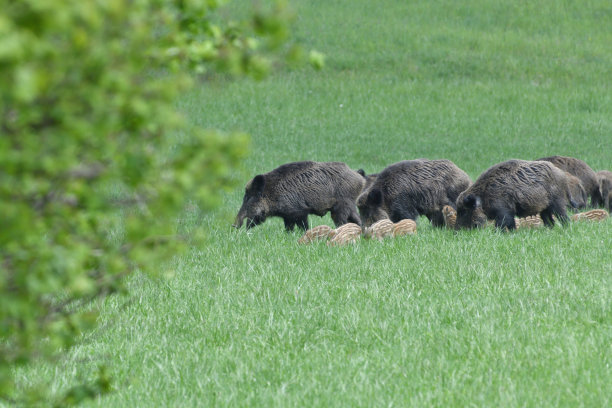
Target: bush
x,y
95,161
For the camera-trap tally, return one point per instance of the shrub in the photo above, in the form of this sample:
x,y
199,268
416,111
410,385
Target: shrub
x,y
95,160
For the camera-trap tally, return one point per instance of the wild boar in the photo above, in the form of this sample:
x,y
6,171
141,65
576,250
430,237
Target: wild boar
x,y
380,230
450,216
295,190
605,188
345,234
533,221
320,232
597,215
404,227
580,169
515,188
410,188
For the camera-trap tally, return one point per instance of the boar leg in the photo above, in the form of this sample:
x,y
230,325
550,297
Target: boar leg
x,y
547,217
596,199
437,219
560,212
289,224
505,219
302,223
344,212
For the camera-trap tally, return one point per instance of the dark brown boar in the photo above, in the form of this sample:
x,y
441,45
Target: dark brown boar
x,y
597,215
411,188
580,169
450,216
605,188
295,190
514,188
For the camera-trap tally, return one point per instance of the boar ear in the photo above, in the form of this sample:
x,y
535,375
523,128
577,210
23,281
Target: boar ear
x,y
258,183
375,197
472,201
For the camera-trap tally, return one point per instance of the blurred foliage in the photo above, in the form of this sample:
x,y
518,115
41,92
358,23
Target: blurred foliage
x,y
95,161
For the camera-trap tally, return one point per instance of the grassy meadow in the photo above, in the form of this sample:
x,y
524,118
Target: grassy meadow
x,y
478,318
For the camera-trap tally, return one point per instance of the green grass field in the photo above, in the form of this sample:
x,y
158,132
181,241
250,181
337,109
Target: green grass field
x,y
478,318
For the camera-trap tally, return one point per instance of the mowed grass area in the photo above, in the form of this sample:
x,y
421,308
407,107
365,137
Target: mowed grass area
x,y
437,319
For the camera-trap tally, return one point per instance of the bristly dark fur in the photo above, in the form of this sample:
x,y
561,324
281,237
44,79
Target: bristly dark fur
x,y
411,188
580,169
605,188
295,190
514,188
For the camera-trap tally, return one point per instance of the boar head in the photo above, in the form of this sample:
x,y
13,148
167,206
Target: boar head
x,y
370,207
470,213
254,204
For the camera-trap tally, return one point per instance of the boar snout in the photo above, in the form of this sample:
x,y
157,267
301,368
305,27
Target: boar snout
x,y
239,219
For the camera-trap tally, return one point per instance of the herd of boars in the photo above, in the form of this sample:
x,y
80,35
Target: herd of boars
x,y
407,189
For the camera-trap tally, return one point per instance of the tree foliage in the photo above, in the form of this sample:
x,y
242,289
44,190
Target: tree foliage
x,y
95,160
